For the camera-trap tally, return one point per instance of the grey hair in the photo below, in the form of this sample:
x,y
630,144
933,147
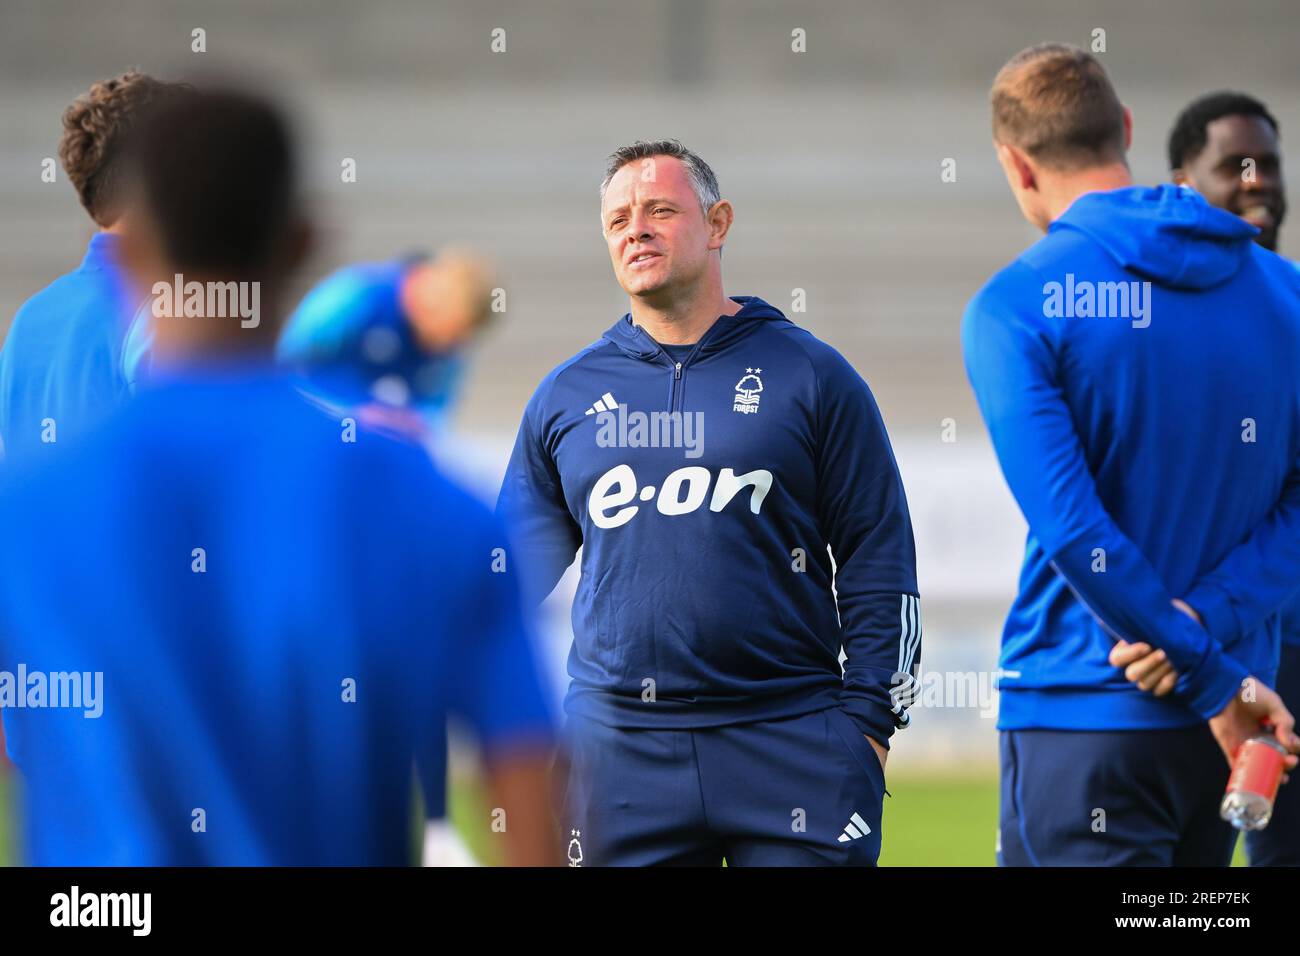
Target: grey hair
x,y
703,182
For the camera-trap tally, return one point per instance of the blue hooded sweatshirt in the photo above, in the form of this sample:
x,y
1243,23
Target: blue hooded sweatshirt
x,y
704,491
1136,368
353,342
60,369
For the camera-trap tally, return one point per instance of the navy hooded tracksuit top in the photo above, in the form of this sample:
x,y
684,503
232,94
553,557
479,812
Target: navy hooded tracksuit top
x,y
706,590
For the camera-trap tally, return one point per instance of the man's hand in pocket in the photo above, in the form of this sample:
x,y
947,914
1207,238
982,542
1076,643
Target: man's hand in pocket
x,y
881,752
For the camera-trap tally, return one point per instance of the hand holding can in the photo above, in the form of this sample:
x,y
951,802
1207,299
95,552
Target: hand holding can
x,y
1257,772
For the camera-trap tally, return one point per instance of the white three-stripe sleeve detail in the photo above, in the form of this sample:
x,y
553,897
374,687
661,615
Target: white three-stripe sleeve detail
x,y
909,639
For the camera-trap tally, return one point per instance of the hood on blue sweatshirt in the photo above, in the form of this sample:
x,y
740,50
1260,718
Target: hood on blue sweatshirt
x,y
1166,234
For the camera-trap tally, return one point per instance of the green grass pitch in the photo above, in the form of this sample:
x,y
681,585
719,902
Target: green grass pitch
x,y
930,820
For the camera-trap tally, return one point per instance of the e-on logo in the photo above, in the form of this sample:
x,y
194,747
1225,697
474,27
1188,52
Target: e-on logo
x,y
617,487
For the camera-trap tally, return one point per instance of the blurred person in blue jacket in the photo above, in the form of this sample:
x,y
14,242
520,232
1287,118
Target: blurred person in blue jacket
x,y
388,342
270,612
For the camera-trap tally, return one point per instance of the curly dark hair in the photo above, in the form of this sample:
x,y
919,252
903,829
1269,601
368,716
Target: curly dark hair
x,y
94,128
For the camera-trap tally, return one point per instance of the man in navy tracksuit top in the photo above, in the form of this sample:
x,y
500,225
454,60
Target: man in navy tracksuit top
x,y
1136,369
1208,148
704,453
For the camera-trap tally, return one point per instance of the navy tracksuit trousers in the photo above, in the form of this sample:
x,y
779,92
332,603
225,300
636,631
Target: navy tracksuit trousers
x,y
800,791
1113,798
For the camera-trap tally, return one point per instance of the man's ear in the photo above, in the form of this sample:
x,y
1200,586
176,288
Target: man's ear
x,y
1017,166
1128,129
719,218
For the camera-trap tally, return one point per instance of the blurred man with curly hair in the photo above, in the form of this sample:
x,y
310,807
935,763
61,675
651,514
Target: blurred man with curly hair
x,y
61,365
60,368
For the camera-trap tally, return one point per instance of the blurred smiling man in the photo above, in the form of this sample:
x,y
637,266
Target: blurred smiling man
x,y
705,453
1225,145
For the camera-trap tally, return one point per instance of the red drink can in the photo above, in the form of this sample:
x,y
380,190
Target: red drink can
x,y
1252,785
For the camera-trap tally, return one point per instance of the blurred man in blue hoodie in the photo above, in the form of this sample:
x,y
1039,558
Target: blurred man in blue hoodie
x,y
392,333
386,342
1136,370
1225,145
705,453
60,367
270,610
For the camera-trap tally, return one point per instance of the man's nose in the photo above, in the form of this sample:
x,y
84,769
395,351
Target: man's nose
x,y
639,228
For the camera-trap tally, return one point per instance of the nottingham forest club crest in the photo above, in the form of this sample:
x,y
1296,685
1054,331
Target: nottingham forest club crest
x,y
747,390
